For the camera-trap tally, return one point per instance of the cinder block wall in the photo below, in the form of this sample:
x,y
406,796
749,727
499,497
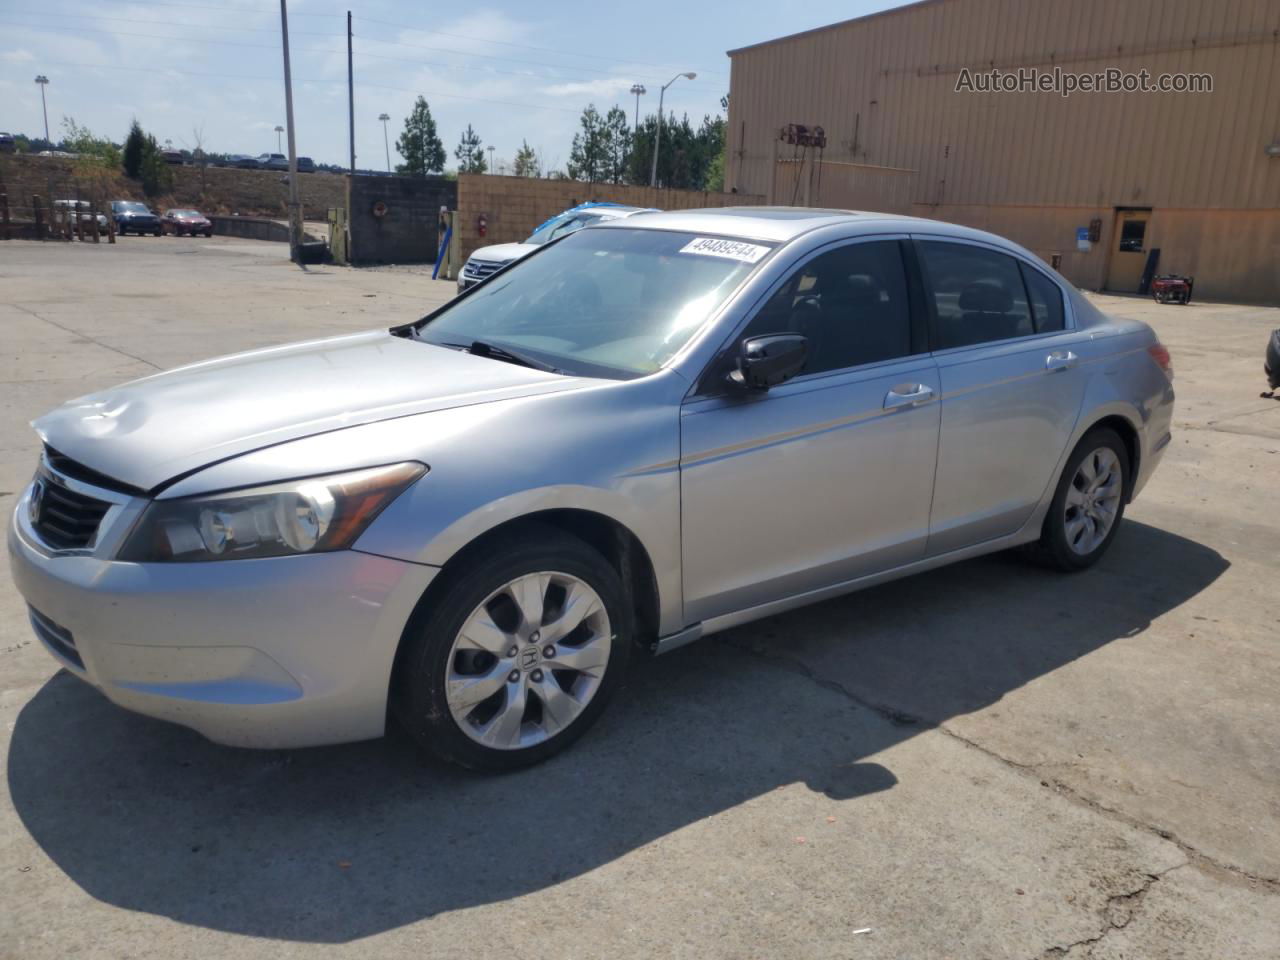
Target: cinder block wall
x,y
514,206
409,230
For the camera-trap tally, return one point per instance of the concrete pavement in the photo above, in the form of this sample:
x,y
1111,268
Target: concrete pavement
x,y
985,761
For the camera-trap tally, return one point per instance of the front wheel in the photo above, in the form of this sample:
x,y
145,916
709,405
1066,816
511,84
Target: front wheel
x,y
1089,503
515,656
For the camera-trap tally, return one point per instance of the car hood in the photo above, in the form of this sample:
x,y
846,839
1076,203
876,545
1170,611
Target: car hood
x,y
504,252
149,431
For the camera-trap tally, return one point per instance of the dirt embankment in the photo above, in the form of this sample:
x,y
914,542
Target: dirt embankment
x,y
213,190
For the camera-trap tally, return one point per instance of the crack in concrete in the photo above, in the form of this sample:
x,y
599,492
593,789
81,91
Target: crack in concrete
x,y
1118,911
901,718
85,336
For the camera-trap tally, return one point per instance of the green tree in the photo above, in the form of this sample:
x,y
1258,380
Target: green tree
x,y
157,176
470,152
419,144
134,145
588,157
617,145
527,164
88,148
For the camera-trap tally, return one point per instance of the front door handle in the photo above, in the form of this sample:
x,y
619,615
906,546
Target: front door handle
x,y
908,395
1060,360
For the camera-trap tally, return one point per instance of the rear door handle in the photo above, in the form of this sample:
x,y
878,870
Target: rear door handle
x,y
908,395
1060,360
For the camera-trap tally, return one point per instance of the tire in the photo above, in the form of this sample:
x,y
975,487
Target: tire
x,y
1071,546
157,233
501,719
121,231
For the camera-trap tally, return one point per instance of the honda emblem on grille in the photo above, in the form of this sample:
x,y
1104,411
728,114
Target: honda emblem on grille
x,y
36,499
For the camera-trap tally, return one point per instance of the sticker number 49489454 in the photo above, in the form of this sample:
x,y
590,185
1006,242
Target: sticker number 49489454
x,y
730,249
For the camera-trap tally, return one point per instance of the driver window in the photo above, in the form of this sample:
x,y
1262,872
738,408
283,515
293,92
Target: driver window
x,y
851,304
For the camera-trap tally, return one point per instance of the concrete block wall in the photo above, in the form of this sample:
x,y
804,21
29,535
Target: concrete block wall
x,y
514,206
409,230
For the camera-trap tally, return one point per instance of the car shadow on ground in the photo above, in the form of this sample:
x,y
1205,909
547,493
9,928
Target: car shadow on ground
x,y
335,844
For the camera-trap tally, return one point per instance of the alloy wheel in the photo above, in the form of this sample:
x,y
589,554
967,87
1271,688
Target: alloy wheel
x,y
528,660
1093,500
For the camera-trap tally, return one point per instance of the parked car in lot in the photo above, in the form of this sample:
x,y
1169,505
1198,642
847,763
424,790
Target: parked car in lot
x,y
134,217
172,156
82,209
647,431
489,260
7,143
186,223
273,161
305,165
243,161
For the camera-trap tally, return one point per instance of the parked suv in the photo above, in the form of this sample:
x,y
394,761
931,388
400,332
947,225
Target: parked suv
x,y
489,260
273,161
135,217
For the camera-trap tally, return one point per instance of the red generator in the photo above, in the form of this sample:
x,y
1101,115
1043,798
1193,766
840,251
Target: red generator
x,y
1172,288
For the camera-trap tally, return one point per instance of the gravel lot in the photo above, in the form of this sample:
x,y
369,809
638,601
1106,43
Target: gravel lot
x,y
984,761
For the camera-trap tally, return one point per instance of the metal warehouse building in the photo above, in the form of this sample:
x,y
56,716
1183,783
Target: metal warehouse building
x,y
1093,182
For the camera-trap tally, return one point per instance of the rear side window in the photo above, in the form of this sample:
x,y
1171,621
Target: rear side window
x,y
978,294
1046,300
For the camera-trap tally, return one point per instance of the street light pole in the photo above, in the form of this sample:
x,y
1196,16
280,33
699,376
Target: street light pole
x,y
657,140
639,90
43,81
295,207
279,130
386,144
490,149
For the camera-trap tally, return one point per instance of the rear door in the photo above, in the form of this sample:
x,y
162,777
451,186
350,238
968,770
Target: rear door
x,y
1009,361
828,476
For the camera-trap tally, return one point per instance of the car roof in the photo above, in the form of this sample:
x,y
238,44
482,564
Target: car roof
x,y
783,224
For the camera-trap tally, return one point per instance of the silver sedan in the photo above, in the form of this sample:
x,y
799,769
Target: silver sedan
x,y
641,434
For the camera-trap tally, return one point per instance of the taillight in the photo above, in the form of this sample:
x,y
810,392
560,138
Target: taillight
x,y
1160,354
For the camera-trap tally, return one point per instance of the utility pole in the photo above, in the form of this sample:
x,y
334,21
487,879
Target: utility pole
x,y
385,142
351,99
43,81
657,139
295,207
639,90
490,149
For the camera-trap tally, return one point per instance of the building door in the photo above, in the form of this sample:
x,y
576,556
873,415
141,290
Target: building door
x,y
1128,251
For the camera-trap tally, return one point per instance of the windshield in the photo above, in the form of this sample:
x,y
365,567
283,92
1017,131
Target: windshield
x,y
564,224
615,302
134,208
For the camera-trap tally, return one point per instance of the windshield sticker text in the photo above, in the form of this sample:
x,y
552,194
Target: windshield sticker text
x,y
730,249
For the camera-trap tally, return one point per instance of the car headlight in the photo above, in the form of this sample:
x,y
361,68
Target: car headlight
x,y
311,515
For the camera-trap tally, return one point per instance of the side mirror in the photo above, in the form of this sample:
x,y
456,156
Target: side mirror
x,y
765,362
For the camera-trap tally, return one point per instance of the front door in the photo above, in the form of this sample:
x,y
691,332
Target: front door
x,y
1128,251
824,478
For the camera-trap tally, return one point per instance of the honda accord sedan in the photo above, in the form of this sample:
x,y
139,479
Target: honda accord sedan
x,y
643,433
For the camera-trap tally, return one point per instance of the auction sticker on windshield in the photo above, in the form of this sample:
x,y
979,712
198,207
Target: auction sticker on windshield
x,y
730,249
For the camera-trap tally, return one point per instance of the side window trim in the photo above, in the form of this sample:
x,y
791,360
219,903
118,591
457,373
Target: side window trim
x,y
930,304
707,383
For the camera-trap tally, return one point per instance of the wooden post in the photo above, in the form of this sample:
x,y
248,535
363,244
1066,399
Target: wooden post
x,y
111,229
39,215
93,223
4,216
79,227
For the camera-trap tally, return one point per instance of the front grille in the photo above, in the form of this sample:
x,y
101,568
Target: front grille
x,y
64,465
64,519
56,637
479,269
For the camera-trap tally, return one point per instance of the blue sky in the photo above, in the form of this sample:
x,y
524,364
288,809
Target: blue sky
x,y
513,70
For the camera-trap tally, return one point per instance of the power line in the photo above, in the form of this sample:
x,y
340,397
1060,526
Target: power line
x,y
389,23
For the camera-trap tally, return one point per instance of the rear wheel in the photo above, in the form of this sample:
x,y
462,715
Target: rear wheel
x,y
1089,503
518,654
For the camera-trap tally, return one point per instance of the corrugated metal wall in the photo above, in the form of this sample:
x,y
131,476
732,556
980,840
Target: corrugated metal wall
x,y
883,87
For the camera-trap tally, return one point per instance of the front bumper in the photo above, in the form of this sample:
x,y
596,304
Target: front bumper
x,y
279,652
